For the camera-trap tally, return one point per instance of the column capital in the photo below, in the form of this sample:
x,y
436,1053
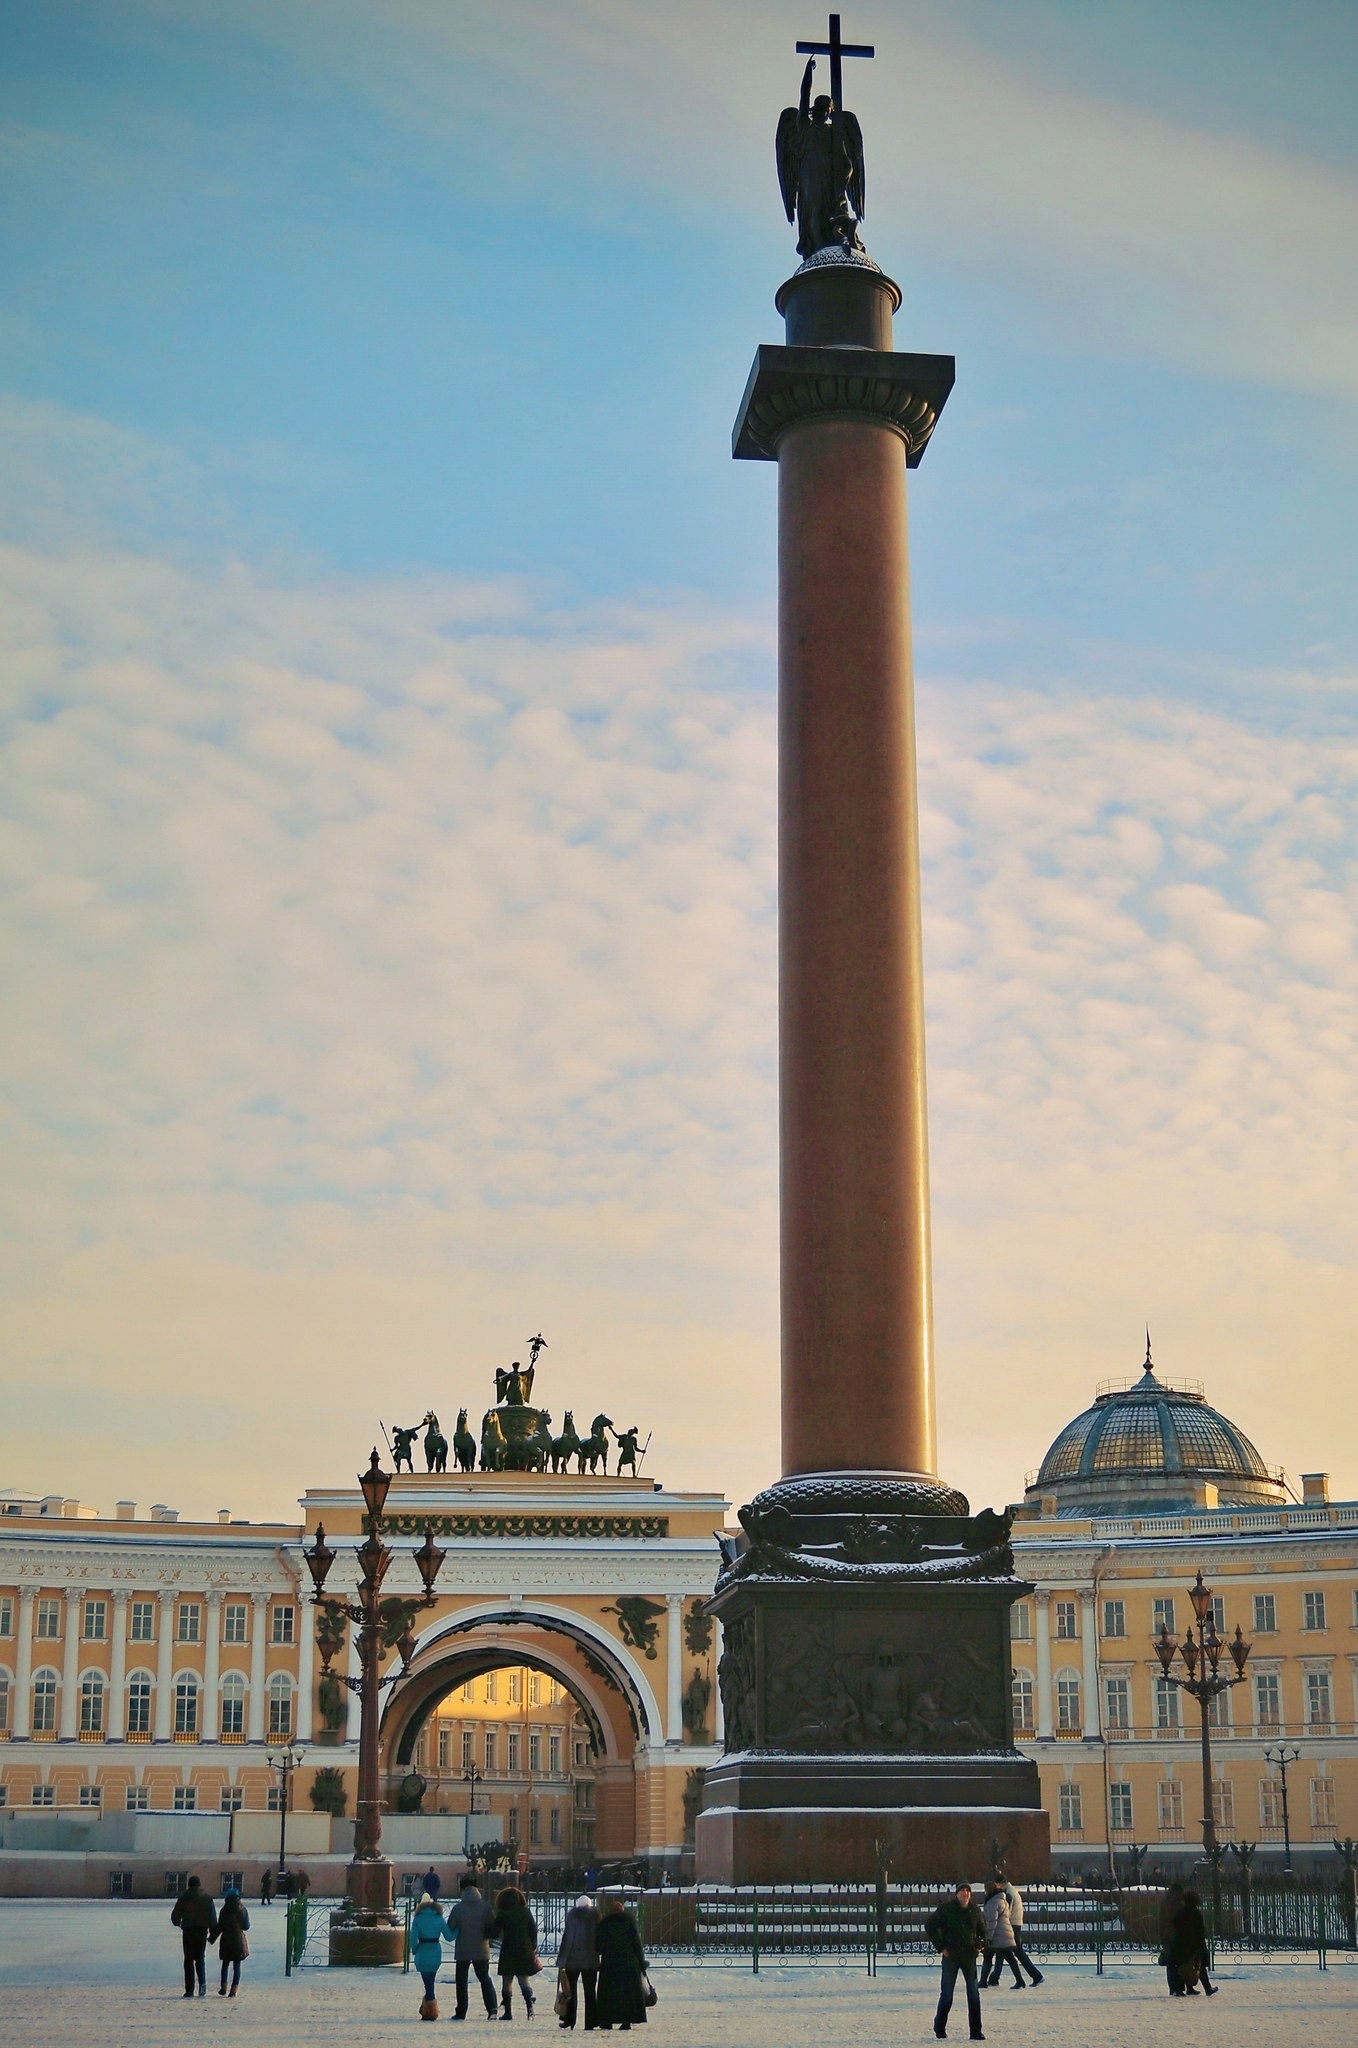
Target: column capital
x,y
1086,1596
1042,1595
121,1596
260,1600
214,1596
167,1595
74,1593
789,387
27,1595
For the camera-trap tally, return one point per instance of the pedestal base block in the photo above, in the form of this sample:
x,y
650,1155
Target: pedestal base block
x,y
848,1845
360,1940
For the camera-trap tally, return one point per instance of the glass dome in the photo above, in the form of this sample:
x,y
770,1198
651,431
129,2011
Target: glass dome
x,y
1150,1446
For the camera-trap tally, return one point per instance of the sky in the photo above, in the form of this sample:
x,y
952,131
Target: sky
x,y
387,894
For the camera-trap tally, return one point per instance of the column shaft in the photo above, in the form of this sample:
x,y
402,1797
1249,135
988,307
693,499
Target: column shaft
x,y
857,1318
23,1674
164,1667
674,1692
306,1652
208,1729
116,1717
259,1608
70,1665
1042,1604
1091,1720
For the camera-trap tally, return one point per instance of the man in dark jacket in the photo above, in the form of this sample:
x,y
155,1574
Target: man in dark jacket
x,y
957,1930
471,1920
432,1883
196,1918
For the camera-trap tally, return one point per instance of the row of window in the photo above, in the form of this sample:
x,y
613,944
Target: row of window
x,y
1066,1616
1169,1799
516,1688
141,1620
188,1689
534,1824
1166,1702
513,1751
137,1798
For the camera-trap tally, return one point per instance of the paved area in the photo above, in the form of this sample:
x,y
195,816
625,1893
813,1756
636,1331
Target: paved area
x,y
106,1975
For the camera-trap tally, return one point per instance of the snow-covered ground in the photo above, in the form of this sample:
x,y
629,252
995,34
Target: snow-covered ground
x,y
98,1975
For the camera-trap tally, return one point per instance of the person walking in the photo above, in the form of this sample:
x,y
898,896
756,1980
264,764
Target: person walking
x,y
999,1939
1169,1906
957,1930
266,1886
1015,1898
470,1923
621,1997
232,1947
428,1932
432,1884
577,1961
518,1932
1188,1947
196,1918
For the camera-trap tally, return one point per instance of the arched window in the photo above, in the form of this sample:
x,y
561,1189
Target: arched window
x,y
1023,1703
1068,1701
44,1702
233,1704
280,1704
92,1703
186,1705
139,1703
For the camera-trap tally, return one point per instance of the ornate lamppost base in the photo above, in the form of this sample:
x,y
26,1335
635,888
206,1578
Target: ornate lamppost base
x,y
365,1932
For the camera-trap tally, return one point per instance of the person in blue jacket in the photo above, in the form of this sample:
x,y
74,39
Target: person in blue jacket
x,y
428,1932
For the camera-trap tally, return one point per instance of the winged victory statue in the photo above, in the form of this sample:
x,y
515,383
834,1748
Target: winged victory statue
x,y
819,150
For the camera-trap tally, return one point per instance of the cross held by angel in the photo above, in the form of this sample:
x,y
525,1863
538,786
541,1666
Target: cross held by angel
x,y
819,153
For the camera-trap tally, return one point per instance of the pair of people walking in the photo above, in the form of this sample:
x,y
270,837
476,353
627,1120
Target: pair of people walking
x,y
601,1954
1184,1950
199,1922
1004,1937
471,1926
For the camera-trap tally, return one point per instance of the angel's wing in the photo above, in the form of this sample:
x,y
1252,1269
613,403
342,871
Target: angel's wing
x,y
787,154
527,1375
853,149
501,1382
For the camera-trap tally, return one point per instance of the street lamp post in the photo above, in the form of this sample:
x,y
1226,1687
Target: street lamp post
x,y
1282,1756
285,1762
1205,1682
368,1931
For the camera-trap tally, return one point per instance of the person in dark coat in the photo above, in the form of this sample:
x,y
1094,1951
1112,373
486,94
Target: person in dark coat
x,y
578,1959
266,1886
431,1884
621,1997
957,1930
470,1922
518,1932
1169,1906
1188,1947
232,1947
196,1918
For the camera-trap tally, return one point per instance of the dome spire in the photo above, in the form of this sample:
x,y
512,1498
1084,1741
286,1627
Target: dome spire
x,y
1149,1369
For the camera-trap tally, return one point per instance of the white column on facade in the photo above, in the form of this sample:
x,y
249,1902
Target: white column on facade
x,y
1042,1604
306,1654
164,1666
70,1665
259,1608
1092,1718
719,1714
674,1699
355,1703
208,1729
23,1675
116,1706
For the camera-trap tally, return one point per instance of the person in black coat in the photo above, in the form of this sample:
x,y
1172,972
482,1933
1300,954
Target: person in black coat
x,y
957,1930
1188,1947
196,1918
518,1932
577,1960
621,1997
232,1947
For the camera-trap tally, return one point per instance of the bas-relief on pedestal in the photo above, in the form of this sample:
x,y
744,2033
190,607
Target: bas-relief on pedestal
x,y
865,1678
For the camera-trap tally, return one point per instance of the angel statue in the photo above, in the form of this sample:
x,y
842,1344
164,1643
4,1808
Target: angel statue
x,y
514,1388
820,171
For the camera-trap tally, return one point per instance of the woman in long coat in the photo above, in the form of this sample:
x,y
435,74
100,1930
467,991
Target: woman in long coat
x,y
1188,1946
232,1947
621,1998
518,1932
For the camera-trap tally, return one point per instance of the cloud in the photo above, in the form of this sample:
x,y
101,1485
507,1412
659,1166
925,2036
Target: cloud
x,y
391,973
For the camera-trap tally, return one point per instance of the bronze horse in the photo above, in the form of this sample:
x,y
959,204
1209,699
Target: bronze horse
x,y
464,1444
593,1448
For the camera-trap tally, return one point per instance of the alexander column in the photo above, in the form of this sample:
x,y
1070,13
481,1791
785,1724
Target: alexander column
x,y
865,1675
